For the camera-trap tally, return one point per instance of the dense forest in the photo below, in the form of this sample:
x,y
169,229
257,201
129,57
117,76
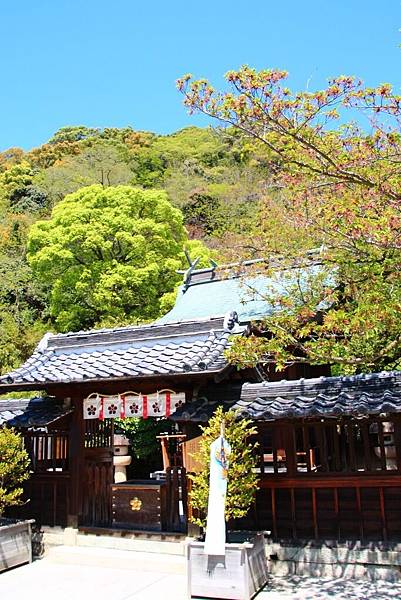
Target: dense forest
x,y
214,178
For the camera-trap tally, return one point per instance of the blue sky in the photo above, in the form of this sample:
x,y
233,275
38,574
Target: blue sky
x,y
102,63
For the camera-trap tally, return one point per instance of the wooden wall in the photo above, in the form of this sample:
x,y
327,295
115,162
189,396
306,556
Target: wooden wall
x,y
329,479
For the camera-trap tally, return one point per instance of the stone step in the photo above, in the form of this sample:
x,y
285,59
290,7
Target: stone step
x,y
116,559
302,568
338,553
152,544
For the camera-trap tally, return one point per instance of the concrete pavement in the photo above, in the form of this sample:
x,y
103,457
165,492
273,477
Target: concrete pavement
x,y
69,574
74,573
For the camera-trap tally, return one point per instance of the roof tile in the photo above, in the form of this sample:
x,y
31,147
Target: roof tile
x,y
372,393
375,393
188,347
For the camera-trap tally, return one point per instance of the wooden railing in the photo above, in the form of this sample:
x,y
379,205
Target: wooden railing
x,y
49,452
98,434
348,507
346,445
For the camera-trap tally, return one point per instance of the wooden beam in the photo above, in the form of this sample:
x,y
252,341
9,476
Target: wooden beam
x,y
330,481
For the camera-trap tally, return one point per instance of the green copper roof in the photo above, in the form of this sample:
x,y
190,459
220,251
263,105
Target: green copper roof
x,y
216,298
206,294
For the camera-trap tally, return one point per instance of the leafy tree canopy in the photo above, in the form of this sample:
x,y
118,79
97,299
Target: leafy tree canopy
x,y
10,157
203,145
108,255
74,133
101,163
14,179
331,186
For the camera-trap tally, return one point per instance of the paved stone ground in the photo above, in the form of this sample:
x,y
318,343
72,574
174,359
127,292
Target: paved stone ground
x,y
75,574
44,580
308,588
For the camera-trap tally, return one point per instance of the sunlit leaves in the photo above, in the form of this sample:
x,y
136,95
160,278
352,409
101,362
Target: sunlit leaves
x,y
110,254
14,468
242,479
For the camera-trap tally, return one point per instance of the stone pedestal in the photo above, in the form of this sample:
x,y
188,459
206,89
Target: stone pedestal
x,y
121,460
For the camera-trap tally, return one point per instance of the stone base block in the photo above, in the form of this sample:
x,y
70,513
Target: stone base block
x,y
350,560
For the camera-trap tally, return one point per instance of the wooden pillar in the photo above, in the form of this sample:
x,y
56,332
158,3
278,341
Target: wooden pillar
x,y
290,448
166,458
76,461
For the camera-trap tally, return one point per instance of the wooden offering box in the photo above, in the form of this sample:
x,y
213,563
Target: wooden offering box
x,y
139,505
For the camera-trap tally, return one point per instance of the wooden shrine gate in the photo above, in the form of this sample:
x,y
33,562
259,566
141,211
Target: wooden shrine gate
x,y
97,484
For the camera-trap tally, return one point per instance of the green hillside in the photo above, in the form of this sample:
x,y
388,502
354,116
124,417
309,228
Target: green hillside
x,y
213,177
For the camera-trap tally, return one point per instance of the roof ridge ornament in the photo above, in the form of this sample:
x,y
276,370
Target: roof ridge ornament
x,y
43,344
192,267
230,320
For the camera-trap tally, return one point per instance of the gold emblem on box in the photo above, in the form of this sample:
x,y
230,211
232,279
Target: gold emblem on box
x,y
135,503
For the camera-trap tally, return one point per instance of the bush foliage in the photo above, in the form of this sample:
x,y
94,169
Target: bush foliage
x,y
242,479
14,468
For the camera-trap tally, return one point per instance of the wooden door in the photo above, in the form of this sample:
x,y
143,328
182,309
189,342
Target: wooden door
x,y
97,475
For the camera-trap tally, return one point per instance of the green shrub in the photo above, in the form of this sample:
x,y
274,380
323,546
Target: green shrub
x,y
14,468
242,479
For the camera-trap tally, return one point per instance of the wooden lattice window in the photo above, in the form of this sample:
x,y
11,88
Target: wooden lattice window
x,y
48,451
98,434
344,445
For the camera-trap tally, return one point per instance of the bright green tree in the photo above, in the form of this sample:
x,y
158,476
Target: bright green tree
x,y
13,180
242,481
14,468
17,192
108,255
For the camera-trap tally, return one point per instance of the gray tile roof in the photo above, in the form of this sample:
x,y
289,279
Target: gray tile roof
x,y
209,398
374,393
126,352
31,412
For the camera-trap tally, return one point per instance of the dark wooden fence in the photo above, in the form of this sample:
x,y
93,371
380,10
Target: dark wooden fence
x,y
349,508
47,491
47,496
330,479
